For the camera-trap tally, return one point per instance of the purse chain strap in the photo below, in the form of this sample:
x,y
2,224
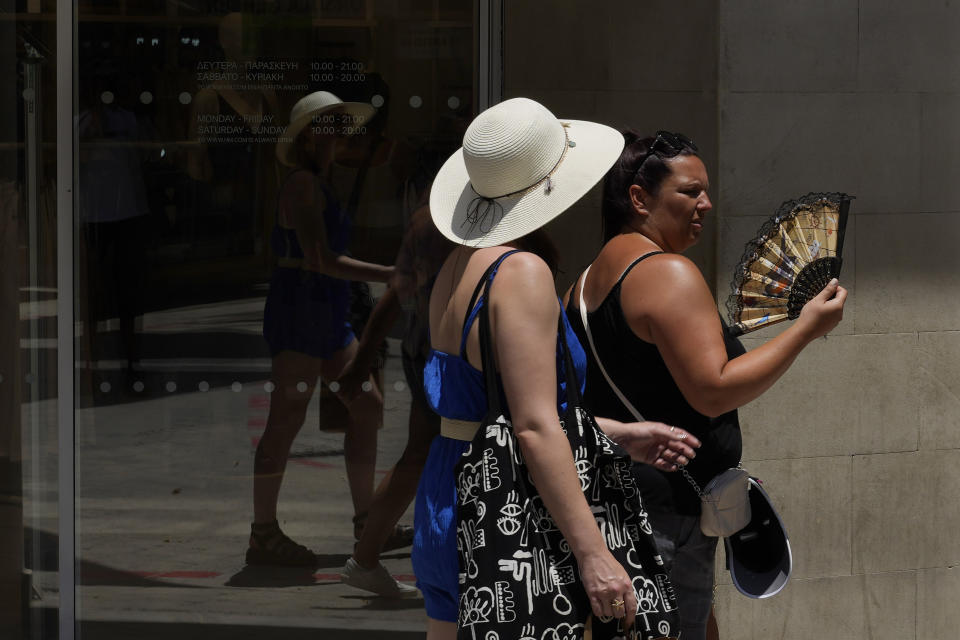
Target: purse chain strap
x,y
689,478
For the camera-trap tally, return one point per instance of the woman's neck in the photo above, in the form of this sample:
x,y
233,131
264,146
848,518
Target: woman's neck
x,y
645,236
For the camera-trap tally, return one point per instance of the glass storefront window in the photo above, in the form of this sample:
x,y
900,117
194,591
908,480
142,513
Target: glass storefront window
x,y
235,229
157,185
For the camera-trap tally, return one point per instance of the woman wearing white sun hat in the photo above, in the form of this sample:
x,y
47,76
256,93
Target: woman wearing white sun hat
x,y
519,168
305,318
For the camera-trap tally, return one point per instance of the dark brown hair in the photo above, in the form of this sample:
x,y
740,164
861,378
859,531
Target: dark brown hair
x,y
636,165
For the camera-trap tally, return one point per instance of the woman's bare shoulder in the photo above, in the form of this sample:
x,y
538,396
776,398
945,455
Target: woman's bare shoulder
x,y
302,189
663,284
525,271
667,270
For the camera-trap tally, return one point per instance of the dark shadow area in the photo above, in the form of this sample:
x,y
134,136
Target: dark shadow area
x,y
264,576
314,452
92,574
208,344
167,292
47,620
337,560
41,622
88,573
261,576
96,630
376,603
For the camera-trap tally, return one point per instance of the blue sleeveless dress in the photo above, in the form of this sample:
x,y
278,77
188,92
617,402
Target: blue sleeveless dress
x,y
455,389
306,311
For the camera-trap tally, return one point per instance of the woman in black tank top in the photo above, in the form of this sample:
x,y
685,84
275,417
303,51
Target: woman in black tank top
x,y
656,330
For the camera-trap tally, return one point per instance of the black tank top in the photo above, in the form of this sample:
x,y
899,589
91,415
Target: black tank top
x,y
638,369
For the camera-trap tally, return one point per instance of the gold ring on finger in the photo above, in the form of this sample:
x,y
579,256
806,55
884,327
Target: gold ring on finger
x,y
616,603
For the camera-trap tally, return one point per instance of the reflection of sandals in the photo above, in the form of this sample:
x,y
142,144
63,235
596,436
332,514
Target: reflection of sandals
x,y
401,536
378,580
270,546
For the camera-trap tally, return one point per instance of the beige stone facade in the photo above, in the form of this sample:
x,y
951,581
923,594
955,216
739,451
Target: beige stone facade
x,y
859,443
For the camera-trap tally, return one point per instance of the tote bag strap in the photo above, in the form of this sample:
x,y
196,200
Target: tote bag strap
x,y
487,358
596,356
473,306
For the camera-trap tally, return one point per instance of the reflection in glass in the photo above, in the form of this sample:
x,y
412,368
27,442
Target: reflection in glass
x,y
306,319
28,298
233,248
112,211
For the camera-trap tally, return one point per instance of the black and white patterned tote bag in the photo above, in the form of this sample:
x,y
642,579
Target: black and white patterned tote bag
x,y
518,576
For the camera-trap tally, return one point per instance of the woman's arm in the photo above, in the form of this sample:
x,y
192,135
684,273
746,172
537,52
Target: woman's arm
x,y
307,203
381,320
346,268
652,443
524,315
668,303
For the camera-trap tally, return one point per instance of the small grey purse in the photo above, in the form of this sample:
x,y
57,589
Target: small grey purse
x,y
725,501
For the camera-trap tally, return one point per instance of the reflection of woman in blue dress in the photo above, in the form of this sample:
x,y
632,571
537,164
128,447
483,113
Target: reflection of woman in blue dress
x,y
305,319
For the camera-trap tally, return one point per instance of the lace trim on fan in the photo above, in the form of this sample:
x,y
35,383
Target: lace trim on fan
x,y
787,210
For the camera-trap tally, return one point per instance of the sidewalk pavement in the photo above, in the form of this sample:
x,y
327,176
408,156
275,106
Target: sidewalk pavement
x,y
163,512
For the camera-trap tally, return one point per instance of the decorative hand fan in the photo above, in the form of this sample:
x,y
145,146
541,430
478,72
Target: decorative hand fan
x,y
794,256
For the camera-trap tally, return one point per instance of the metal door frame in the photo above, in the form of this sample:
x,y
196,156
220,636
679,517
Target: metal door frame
x,y
66,53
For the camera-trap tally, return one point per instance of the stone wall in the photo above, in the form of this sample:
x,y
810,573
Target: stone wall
x,y
859,443
618,63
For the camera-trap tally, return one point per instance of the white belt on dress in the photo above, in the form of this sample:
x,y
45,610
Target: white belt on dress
x,y
458,429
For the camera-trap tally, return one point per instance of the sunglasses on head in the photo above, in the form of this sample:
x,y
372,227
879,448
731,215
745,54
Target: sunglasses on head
x,y
667,145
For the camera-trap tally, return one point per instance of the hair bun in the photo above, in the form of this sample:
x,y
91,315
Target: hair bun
x,y
631,136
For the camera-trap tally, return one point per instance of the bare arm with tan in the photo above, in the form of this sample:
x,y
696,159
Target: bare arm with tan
x,y
524,315
667,302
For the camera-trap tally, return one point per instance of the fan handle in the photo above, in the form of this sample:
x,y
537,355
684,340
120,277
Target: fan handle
x,y
842,226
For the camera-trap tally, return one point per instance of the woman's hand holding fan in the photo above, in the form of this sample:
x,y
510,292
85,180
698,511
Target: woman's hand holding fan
x,y
824,311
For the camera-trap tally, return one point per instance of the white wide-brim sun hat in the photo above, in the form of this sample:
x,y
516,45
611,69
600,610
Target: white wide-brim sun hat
x,y
519,168
313,105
